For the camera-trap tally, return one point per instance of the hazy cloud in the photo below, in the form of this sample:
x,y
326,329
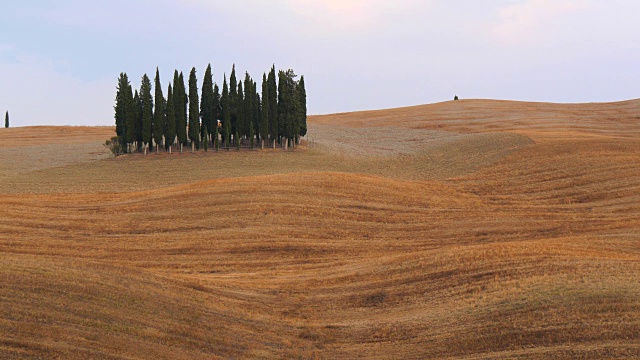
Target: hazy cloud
x,y
531,20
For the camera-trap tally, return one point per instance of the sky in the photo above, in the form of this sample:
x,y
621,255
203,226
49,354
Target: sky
x,y
60,60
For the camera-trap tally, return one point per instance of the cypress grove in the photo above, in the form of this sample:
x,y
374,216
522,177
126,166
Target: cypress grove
x,y
239,116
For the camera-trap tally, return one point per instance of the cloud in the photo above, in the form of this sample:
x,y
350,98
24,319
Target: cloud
x,y
530,20
337,15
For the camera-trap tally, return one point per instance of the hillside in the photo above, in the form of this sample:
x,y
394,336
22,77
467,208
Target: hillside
x,y
463,230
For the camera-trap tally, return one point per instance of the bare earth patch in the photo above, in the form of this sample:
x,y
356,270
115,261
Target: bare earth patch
x,y
24,159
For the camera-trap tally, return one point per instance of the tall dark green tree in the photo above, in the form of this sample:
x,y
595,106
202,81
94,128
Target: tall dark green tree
x,y
226,114
205,136
147,111
302,106
248,106
287,107
6,119
180,102
130,118
240,123
171,120
264,113
217,114
217,109
233,98
121,107
207,103
194,111
138,120
159,121
257,106
273,106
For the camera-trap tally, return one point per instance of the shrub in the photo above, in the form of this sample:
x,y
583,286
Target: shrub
x,y
114,146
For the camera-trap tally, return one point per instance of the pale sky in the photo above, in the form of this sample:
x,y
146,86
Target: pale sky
x,y
60,60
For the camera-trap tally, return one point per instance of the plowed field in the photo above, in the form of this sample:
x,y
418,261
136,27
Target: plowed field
x,y
463,230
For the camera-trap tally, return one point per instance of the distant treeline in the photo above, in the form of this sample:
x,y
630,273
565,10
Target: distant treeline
x,y
239,117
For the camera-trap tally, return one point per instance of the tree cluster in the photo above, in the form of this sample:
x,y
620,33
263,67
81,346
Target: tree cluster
x,y
240,116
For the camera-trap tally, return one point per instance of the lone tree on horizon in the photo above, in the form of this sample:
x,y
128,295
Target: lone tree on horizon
x,y
6,119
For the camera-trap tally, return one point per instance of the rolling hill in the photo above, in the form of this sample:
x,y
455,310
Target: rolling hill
x,y
474,229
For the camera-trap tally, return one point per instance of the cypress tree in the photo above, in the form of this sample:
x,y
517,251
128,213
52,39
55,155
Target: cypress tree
x,y
256,109
217,110
171,119
287,105
302,106
121,107
240,124
180,103
248,105
147,111
158,113
205,136
283,101
6,119
216,141
137,101
194,111
176,105
264,113
206,105
217,114
273,105
226,114
233,97
130,118
252,133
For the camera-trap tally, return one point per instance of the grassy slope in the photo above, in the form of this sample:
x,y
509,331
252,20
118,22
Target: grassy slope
x,y
533,253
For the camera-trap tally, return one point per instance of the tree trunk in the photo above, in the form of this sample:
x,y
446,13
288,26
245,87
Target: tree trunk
x,y
145,149
262,144
193,147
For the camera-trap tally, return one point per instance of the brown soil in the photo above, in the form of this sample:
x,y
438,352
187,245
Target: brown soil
x,y
511,233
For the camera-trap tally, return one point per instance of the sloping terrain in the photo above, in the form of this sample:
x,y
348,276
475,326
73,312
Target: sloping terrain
x,y
514,243
27,149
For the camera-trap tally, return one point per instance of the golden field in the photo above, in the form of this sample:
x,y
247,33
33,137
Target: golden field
x,y
472,229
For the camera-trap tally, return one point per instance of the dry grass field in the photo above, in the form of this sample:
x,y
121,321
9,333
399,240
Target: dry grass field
x,y
463,230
